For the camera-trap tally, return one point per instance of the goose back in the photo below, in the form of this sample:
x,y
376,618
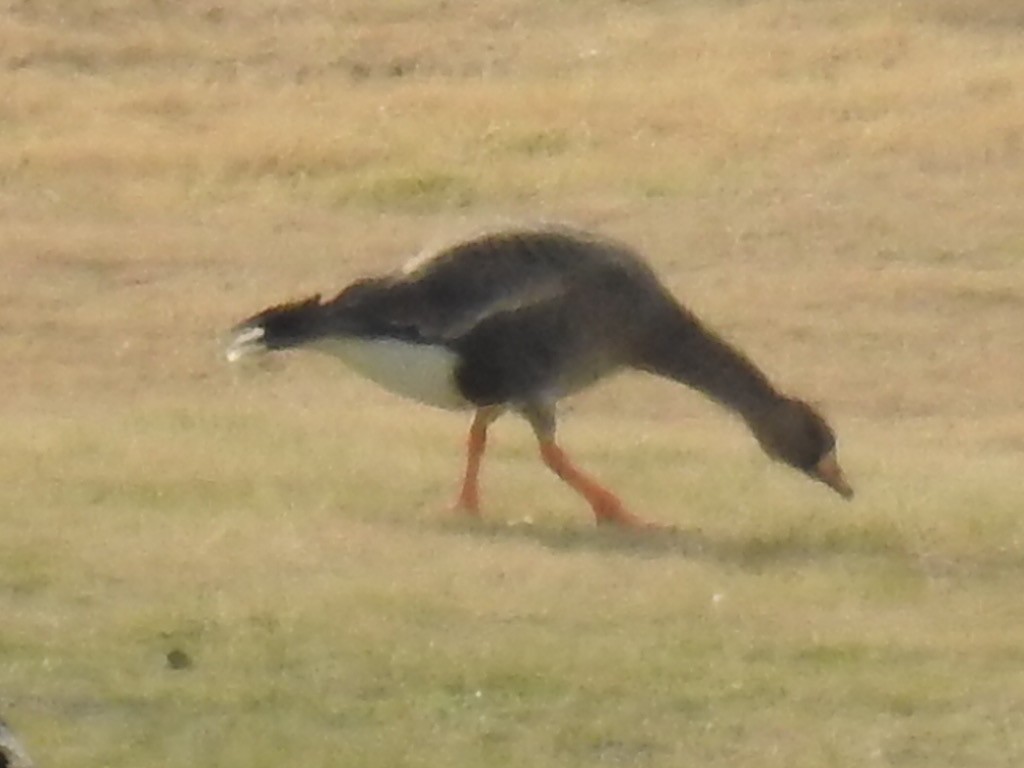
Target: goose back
x,y
531,314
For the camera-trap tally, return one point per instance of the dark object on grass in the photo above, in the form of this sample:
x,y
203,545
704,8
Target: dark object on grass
x,y
178,659
12,754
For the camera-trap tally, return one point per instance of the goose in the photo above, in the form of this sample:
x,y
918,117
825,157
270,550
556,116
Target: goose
x,y
513,320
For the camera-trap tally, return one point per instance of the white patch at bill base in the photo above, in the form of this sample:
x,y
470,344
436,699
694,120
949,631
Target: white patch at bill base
x,y
422,372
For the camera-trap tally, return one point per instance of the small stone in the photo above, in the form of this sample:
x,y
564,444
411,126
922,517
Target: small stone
x,y
178,659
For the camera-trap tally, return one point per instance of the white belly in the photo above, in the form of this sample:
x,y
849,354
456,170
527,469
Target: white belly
x,y
421,372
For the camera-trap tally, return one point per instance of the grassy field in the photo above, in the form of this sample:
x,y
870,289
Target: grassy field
x,y
838,186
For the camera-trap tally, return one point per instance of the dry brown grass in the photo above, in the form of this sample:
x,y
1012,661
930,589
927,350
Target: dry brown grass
x,y
839,186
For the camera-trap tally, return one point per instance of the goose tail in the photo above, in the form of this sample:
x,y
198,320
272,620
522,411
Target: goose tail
x,y
278,327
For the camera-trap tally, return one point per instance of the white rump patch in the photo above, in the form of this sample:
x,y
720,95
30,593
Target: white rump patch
x,y
423,372
244,343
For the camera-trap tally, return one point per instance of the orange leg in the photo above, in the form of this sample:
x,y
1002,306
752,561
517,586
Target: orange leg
x,y
606,505
469,496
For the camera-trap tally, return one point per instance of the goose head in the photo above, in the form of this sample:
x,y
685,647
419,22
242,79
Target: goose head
x,y
792,432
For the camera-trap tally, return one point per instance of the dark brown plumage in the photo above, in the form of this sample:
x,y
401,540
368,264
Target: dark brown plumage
x,y
515,320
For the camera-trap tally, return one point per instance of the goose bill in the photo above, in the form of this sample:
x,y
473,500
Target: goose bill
x,y
829,472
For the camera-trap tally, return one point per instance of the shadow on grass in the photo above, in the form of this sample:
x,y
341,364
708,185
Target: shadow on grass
x,y
756,551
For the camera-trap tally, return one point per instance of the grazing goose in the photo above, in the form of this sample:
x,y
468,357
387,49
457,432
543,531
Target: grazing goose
x,y
515,320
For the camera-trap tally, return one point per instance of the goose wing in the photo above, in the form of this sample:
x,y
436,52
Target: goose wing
x,y
443,297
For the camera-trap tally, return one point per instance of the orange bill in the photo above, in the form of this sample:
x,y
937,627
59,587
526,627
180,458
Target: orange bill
x,y
829,472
